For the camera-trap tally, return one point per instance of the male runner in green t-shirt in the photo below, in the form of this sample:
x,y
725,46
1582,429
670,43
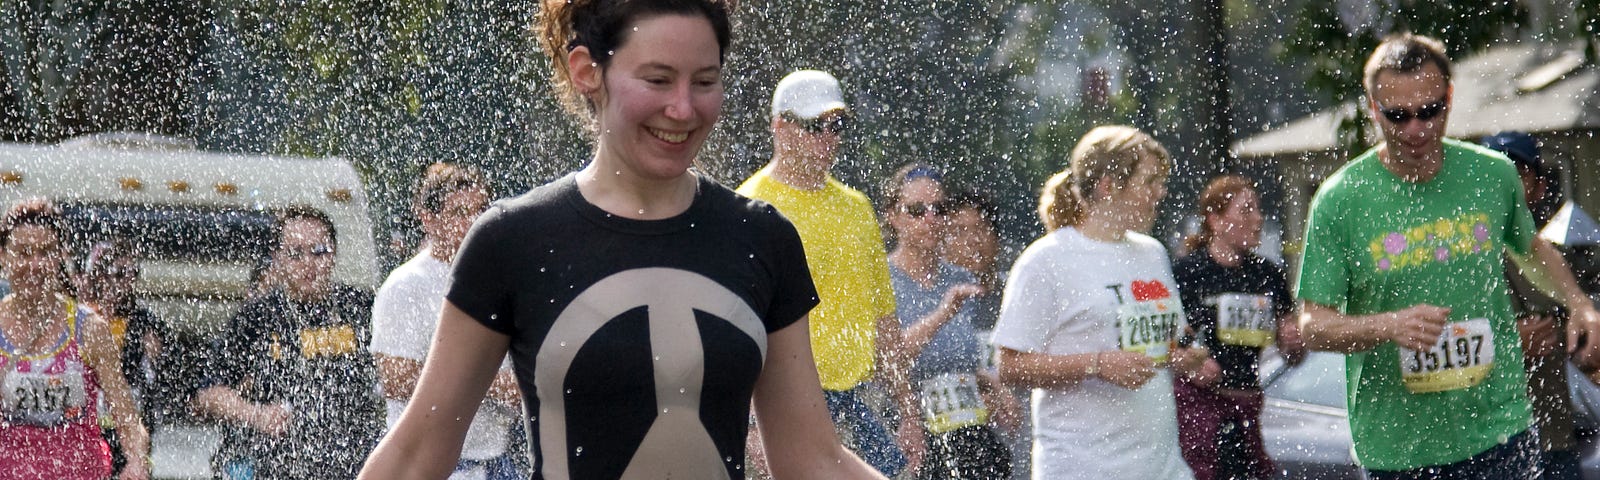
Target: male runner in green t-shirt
x,y
1402,270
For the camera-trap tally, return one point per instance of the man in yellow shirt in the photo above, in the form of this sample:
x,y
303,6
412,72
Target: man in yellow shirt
x,y
854,328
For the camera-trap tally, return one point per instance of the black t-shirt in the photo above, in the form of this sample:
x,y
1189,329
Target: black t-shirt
x,y
312,357
636,343
1201,281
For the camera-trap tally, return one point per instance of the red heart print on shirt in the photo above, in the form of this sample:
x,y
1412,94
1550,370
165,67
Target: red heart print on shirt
x,y
1149,290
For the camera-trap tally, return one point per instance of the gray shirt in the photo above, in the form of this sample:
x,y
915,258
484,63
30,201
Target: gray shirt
x,y
954,349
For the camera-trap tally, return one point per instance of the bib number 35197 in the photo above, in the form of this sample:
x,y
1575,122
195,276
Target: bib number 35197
x,y
1462,358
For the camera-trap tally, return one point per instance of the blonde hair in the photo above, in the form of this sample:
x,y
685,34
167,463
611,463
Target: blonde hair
x,y
1110,151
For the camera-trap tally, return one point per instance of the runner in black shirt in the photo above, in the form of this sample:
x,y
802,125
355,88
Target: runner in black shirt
x,y
1237,303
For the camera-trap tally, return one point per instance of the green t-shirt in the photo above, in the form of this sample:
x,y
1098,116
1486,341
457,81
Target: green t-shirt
x,y
1376,243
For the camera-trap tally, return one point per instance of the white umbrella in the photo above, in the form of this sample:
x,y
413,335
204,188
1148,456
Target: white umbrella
x,y
1571,227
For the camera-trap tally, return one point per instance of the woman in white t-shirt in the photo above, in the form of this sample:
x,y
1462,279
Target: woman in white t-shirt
x,y
1091,314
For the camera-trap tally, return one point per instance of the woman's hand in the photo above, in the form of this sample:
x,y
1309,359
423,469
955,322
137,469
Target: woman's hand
x,y
1126,369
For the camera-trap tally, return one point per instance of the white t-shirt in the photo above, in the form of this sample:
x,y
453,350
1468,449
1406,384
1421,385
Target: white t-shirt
x,y
404,316
1064,297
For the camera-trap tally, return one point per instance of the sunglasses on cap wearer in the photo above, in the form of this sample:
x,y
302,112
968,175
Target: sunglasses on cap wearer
x,y
835,124
1401,116
920,209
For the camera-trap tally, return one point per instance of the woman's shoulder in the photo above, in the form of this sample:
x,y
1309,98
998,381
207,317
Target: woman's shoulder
x,y
741,208
1146,243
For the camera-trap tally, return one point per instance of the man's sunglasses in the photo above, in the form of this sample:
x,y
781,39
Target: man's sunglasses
x,y
1401,116
834,124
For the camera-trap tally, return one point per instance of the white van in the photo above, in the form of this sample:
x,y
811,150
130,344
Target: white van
x,y
201,218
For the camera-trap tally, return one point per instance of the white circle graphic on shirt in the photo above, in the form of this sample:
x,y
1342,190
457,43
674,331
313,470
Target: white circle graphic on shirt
x,y
677,444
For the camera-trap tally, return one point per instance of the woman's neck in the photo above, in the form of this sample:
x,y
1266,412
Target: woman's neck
x,y
1224,255
921,264
1103,225
31,316
629,195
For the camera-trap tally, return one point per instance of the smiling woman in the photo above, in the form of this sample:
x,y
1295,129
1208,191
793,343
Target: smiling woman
x,y
657,303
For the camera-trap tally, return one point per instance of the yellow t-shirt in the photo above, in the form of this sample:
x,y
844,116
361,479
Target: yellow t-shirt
x,y
848,265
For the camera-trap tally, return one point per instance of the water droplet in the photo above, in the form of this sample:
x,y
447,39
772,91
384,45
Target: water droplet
x,y
691,225
433,408
578,451
641,211
683,390
563,344
665,410
569,391
658,358
541,269
613,52
727,459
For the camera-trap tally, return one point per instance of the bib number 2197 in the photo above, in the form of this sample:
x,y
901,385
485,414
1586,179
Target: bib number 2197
x,y
1462,358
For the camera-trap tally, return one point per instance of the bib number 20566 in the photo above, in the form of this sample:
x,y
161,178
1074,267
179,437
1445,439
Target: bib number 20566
x,y
1462,358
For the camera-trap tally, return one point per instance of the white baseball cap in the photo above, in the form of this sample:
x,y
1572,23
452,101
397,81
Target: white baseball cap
x,y
808,94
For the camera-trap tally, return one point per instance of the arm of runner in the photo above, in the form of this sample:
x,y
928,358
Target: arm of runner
x,y
1417,327
795,427
1042,370
427,440
891,353
917,337
1583,329
398,375
1290,344
101,356
1004,409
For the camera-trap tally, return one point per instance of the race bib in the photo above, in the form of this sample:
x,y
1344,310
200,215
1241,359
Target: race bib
x,y
950,401
44,400
327,341
1462,358
1245,319
1148,327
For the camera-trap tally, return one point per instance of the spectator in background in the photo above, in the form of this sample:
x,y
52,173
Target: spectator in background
x,y
56,361
1090,318
105,284
1237,303
406,313
854,331
931,296
294,382
1541,319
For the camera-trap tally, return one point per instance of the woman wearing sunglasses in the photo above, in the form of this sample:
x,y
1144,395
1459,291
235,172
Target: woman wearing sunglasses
x,y
1090,317
931,301
56,361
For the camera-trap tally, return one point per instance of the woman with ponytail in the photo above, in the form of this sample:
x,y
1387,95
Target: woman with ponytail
x,y
1090,318
1237,303
644,307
